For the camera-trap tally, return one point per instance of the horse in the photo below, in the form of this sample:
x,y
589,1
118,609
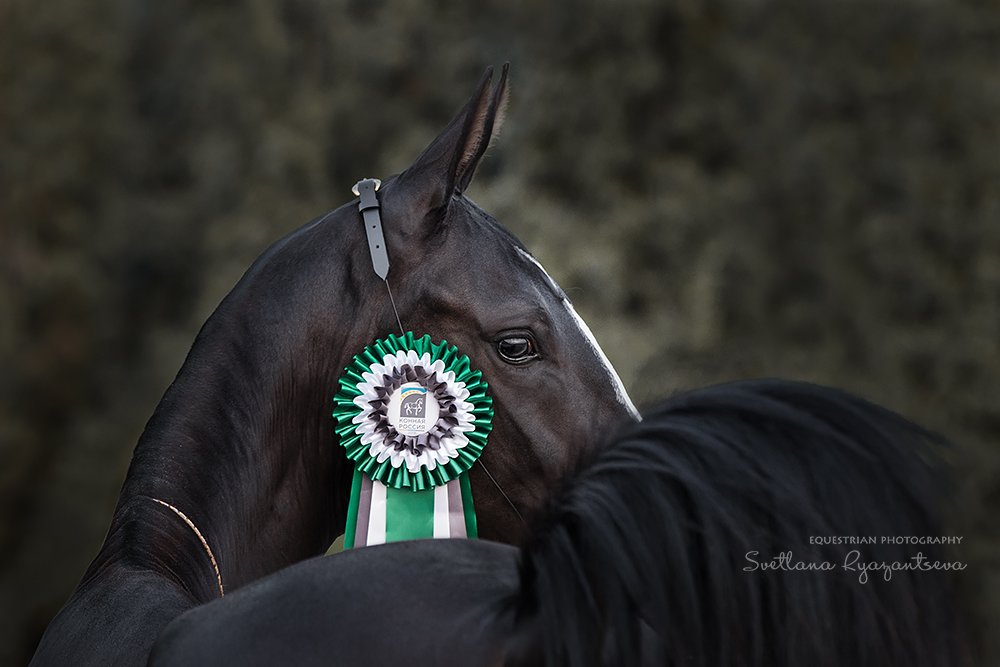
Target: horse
x,y
237,473
713,532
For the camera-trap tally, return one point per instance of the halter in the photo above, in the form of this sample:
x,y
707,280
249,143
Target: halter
x,y
370,207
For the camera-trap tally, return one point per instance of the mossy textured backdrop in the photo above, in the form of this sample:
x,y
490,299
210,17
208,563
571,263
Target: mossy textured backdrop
x,y
728,189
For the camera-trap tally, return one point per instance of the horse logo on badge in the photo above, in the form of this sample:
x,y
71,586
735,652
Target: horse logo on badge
x,y
412,403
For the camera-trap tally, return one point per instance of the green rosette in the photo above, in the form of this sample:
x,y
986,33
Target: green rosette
x,y
354,421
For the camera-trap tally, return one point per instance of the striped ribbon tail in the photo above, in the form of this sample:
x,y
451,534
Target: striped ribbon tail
x,y
378,513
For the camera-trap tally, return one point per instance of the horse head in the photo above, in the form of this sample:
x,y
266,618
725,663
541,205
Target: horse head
x,y
285,333
459,275
238,474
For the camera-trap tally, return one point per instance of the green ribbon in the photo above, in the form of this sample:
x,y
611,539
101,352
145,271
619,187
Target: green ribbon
x,y
409,515
471,523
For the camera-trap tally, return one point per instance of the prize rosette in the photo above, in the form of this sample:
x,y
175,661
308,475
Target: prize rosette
x,y
413,416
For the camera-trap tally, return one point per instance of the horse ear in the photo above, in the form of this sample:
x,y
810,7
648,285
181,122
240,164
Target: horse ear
x,y
447,165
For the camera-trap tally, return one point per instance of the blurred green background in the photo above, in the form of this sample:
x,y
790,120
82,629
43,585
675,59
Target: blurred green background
x,y
728,189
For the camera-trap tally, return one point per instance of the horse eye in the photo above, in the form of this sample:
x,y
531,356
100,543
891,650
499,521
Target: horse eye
x,y
516,349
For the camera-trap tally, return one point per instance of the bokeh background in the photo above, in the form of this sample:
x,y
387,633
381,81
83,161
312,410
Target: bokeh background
x,y
728,189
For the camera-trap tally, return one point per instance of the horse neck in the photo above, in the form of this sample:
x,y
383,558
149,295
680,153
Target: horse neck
x,y
242,442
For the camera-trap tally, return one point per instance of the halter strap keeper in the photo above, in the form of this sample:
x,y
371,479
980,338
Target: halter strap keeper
x,y
369,207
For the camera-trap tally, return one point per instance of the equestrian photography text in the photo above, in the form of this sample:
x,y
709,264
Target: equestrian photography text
x,y
865,564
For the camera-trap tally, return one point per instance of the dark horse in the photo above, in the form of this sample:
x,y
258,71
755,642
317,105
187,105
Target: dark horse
x,y
664,548
237,473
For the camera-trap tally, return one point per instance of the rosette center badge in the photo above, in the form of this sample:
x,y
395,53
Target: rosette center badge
x,y
411,411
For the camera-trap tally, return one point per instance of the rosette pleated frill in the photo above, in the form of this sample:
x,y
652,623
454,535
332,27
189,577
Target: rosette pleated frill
x,y
413,416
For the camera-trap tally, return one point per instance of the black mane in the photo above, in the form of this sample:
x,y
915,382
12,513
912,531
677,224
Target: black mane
x,y
640,559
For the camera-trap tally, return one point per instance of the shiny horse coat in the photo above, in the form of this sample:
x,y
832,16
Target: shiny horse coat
x,y
641,558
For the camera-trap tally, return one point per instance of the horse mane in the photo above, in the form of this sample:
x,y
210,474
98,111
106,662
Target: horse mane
x,y
640,557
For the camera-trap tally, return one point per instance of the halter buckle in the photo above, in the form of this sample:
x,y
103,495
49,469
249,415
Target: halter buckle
x,y
357,186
